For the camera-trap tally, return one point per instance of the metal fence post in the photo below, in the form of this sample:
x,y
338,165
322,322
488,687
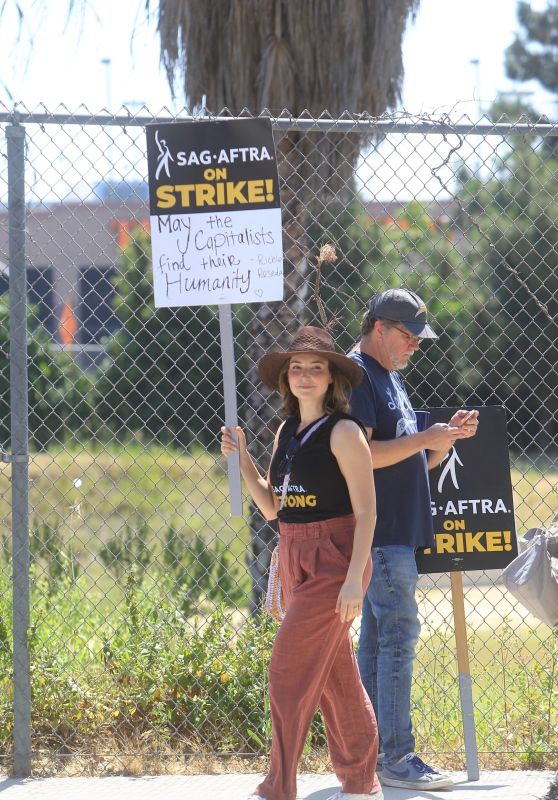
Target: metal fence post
x,y
15,136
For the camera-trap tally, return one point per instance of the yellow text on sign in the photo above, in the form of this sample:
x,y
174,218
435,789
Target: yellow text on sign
x,y
469,542
195,195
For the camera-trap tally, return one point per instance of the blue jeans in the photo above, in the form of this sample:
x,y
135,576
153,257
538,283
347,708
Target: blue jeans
x,y
389,633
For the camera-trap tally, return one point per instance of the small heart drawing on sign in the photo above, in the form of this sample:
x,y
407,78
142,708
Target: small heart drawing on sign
x,y
259,292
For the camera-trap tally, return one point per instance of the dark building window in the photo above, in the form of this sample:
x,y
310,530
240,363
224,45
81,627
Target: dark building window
x,y
96,316
40,296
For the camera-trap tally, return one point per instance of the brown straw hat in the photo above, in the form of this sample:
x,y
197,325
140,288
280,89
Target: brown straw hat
x,y
308,340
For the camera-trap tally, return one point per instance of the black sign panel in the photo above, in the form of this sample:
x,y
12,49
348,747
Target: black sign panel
x,y
472,501
205,166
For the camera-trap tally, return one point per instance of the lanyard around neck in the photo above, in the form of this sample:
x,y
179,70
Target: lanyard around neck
x,y
306,436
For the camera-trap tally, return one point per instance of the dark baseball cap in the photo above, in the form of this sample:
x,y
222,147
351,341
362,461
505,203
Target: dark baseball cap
x,y
402,305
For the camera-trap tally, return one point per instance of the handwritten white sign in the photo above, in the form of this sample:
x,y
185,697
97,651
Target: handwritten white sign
x,y
216,258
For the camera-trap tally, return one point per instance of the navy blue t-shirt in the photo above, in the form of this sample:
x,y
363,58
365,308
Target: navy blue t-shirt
x,y
381,402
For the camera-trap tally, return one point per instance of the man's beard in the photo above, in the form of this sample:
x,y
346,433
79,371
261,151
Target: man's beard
x,y
399,365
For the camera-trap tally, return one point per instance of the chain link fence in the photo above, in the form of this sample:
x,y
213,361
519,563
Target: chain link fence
x,y
130,633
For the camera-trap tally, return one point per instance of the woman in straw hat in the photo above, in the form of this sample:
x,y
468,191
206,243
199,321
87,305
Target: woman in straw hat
x,y
320,487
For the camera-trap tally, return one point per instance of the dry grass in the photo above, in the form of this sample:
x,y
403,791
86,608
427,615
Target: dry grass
x,y
165,488
535,497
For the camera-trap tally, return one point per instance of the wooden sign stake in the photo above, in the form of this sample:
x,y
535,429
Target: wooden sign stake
x,y
465,680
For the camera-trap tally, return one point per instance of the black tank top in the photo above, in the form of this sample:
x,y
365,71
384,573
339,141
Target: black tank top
x,y
317,489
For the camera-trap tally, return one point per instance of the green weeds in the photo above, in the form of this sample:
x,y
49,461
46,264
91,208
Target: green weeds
x,y
139,642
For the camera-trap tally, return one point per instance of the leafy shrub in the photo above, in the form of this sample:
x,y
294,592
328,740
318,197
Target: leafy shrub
x,y
145,670
51,556
189,569
59,390
128,551
162,377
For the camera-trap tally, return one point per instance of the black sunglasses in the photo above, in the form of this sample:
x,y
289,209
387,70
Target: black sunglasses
x,y
287,462
409,336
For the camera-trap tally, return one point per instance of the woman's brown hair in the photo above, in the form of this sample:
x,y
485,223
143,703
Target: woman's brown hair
x,y
336,397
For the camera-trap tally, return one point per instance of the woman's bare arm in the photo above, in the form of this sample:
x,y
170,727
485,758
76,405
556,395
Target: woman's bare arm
x,y
350,448
258,485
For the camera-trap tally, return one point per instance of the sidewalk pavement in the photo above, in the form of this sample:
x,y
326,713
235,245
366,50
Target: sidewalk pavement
x,y
508,785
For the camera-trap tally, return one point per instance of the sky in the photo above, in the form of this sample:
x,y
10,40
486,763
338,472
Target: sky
x,y
109,57
439,47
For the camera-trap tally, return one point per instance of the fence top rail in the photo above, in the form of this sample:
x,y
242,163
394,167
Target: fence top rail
x,y
360,123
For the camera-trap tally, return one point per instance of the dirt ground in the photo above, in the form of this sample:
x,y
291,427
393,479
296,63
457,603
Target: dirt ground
x,y
485,606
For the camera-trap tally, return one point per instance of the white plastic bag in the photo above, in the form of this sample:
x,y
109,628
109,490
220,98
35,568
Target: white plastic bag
x,y
531,580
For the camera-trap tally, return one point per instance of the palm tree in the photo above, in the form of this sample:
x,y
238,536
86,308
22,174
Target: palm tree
x,y
300,56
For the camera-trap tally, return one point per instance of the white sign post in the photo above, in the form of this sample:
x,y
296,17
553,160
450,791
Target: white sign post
x,y
231,418
216,229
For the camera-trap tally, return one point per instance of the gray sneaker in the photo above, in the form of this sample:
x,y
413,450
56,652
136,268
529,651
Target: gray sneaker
x,y
411,772
380,764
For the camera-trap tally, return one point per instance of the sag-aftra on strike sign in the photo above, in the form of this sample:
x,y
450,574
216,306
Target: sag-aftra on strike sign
x,y
472,501
215,213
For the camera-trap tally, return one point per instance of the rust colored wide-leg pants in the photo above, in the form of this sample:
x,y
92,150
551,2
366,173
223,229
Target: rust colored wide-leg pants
x,y
313,663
